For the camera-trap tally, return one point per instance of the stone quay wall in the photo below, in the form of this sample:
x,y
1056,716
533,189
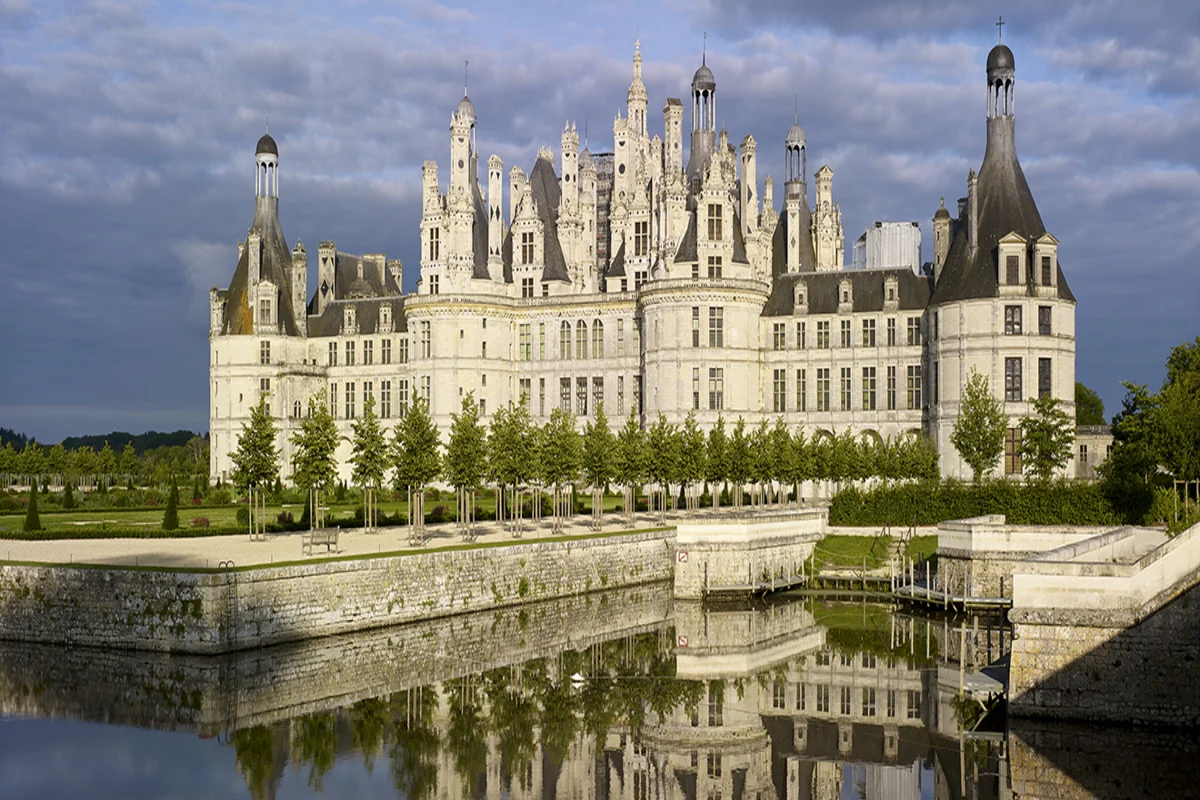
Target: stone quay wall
x,y
214,612
1105,641
976,556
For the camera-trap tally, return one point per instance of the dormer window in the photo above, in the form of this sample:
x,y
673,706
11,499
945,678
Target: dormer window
x,y
891,292
264,311
800,296
1012,254
349,320
1045,260
715,230
846,295
385,319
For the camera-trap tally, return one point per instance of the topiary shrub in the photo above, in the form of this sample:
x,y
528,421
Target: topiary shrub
x,y
243,516
32,521
171,515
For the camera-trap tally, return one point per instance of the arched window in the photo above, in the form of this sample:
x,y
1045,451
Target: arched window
x,y
296,412
581,340
597,339
564,341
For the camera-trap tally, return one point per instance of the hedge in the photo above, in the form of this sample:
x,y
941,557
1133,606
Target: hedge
x,y
928,503
111,532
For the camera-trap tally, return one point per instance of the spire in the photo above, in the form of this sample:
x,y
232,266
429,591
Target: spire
x,y
466,66
704,50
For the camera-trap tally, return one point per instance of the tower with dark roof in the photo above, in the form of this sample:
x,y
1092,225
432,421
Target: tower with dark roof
x,y
704,120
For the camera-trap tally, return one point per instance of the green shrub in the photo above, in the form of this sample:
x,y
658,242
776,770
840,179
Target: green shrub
x,y
32,522
243,517
113,532
68,499
171,515
928,503
219,497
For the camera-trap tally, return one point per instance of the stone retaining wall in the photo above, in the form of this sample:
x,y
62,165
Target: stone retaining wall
x,y
207,612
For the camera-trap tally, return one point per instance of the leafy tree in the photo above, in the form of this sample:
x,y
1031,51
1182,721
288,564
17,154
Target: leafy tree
x,y
416,459
1046,438
1133,457
561,454
598,442
466,459
127,464
762,459
106,464
32,521
716,460
197,451
978,434
800,467
68,500
32,461
1176,422
256,459
171,515
1089,408
510,457
314,454
692,458
82,462
369,455
661,456
782,456
56,461
630,462
8,463
740,460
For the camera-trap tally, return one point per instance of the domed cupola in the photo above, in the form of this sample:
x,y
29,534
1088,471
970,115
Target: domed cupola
x,y
266,145
465,110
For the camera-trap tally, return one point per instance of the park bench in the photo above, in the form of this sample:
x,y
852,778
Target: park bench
x,y
318,536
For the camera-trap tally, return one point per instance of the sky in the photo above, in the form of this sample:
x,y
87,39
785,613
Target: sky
x,y
127,134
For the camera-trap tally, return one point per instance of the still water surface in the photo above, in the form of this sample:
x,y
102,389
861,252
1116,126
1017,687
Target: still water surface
x,y
618,695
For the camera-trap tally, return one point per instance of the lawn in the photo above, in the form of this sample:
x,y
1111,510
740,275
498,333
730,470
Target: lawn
x,y
851,551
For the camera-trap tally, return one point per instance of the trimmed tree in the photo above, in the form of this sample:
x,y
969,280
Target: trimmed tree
x,y
978,434
510,459
314,457
68,500
370,457
716,462
692,459
466,461
598,442
416,460
661,455
127,464
1046,438
801,463
106,464
256,459
171,515
782,458
762,461
740,460
560,458
630,462
32,521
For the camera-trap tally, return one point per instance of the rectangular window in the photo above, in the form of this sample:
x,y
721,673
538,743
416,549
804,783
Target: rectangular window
x,y
541,397
1045,270
714,222
621,333
891,388
264,353
914,331
564,341
714,266
845,693
597,393
868,330
426,340
1045,384
914,387
934,396
695,326
637,393
822,699
434,244
426,387
823,334
696,271
402,351
716,388
846,389
868,702
914,703
716,716
564,394
264,312
891,332
368,353
368,391
350,354
621,395
525,342
1012,268
1013,392
1083,454
264,385
779,694
349,401
434,284
822,388
597,339
401,397
868,388
780,390
541,341
800,343
545,290
639,278
333,407
801,390
333,353
714,759
935,326
891,703
641,239
385,399
527,247
779,335
695,388
801,690
1012,320
385,351
846,333
527,288
1012,451
716,327
1043,320
581,340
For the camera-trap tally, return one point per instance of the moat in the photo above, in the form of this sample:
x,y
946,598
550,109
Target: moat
x,y
623,694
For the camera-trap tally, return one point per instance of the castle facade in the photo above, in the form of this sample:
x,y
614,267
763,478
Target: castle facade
x,y
653,285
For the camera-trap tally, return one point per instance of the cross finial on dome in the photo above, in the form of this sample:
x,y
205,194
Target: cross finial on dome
x,y
704,49
466,66
1000,29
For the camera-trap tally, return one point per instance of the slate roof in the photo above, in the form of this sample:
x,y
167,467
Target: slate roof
x,y
275,266
329,323
1005,205
688,250
617,268
546,194
867,290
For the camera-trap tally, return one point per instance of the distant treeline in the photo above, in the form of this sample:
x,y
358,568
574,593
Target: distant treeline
x,y
141,442
116,440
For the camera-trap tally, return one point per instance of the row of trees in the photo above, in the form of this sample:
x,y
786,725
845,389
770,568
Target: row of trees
x,y
520,458
104,467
